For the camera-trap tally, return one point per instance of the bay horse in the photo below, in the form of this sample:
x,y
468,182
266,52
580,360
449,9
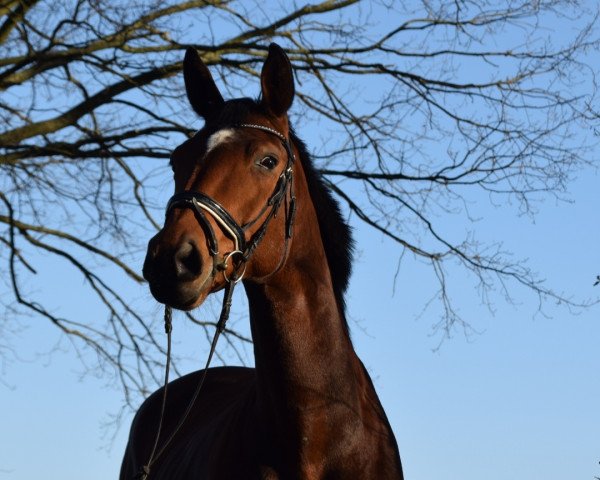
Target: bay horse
x,y
248,201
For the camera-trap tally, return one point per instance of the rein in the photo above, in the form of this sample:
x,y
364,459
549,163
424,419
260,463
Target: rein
x,y
243,249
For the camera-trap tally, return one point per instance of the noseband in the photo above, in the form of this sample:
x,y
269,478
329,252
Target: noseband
x,y
243,250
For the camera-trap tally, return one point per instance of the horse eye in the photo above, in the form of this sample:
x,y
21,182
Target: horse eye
x,y
268,162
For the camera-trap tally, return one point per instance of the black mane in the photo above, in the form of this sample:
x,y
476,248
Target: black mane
x,y
335,232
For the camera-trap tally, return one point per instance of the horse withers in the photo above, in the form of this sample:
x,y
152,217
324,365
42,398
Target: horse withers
x,y
248,201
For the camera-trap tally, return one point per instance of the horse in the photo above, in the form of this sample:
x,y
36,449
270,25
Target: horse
x,y
249,202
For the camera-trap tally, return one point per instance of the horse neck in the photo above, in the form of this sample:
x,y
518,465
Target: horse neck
x,y
301,346
315,401
305,362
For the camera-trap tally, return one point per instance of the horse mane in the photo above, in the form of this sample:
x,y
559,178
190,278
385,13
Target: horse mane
x,y
336,234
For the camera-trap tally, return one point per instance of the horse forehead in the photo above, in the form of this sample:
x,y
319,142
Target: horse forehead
x,y
225,135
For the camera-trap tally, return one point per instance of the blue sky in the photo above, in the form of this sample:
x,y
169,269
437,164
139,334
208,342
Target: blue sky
x,y
518,400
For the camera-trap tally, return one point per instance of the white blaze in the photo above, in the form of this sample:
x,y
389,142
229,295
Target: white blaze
x,y
219,137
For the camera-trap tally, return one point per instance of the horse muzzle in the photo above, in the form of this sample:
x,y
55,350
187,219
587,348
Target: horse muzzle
x,y
177,273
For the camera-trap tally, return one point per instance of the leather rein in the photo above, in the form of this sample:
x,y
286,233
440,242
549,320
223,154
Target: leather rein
x,y
243,249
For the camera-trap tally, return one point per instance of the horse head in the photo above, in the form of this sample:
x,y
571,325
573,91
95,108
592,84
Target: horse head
x,y
231,180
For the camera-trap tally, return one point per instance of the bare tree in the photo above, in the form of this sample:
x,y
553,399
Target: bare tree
x,y
441,101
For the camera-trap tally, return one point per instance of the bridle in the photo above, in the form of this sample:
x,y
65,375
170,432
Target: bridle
x,y
243,249
202,205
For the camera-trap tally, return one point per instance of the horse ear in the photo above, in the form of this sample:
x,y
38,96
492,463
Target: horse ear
x,y
202,92
277,81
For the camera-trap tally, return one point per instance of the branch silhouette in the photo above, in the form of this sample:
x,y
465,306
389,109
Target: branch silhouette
x,y
443,102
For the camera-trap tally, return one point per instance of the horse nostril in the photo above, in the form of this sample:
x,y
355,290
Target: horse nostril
x,y
188,263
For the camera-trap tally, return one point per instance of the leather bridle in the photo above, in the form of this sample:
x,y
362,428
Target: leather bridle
x,y
243,249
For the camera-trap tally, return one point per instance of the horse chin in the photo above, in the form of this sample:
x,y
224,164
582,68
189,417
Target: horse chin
x,y
191,303
184,296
